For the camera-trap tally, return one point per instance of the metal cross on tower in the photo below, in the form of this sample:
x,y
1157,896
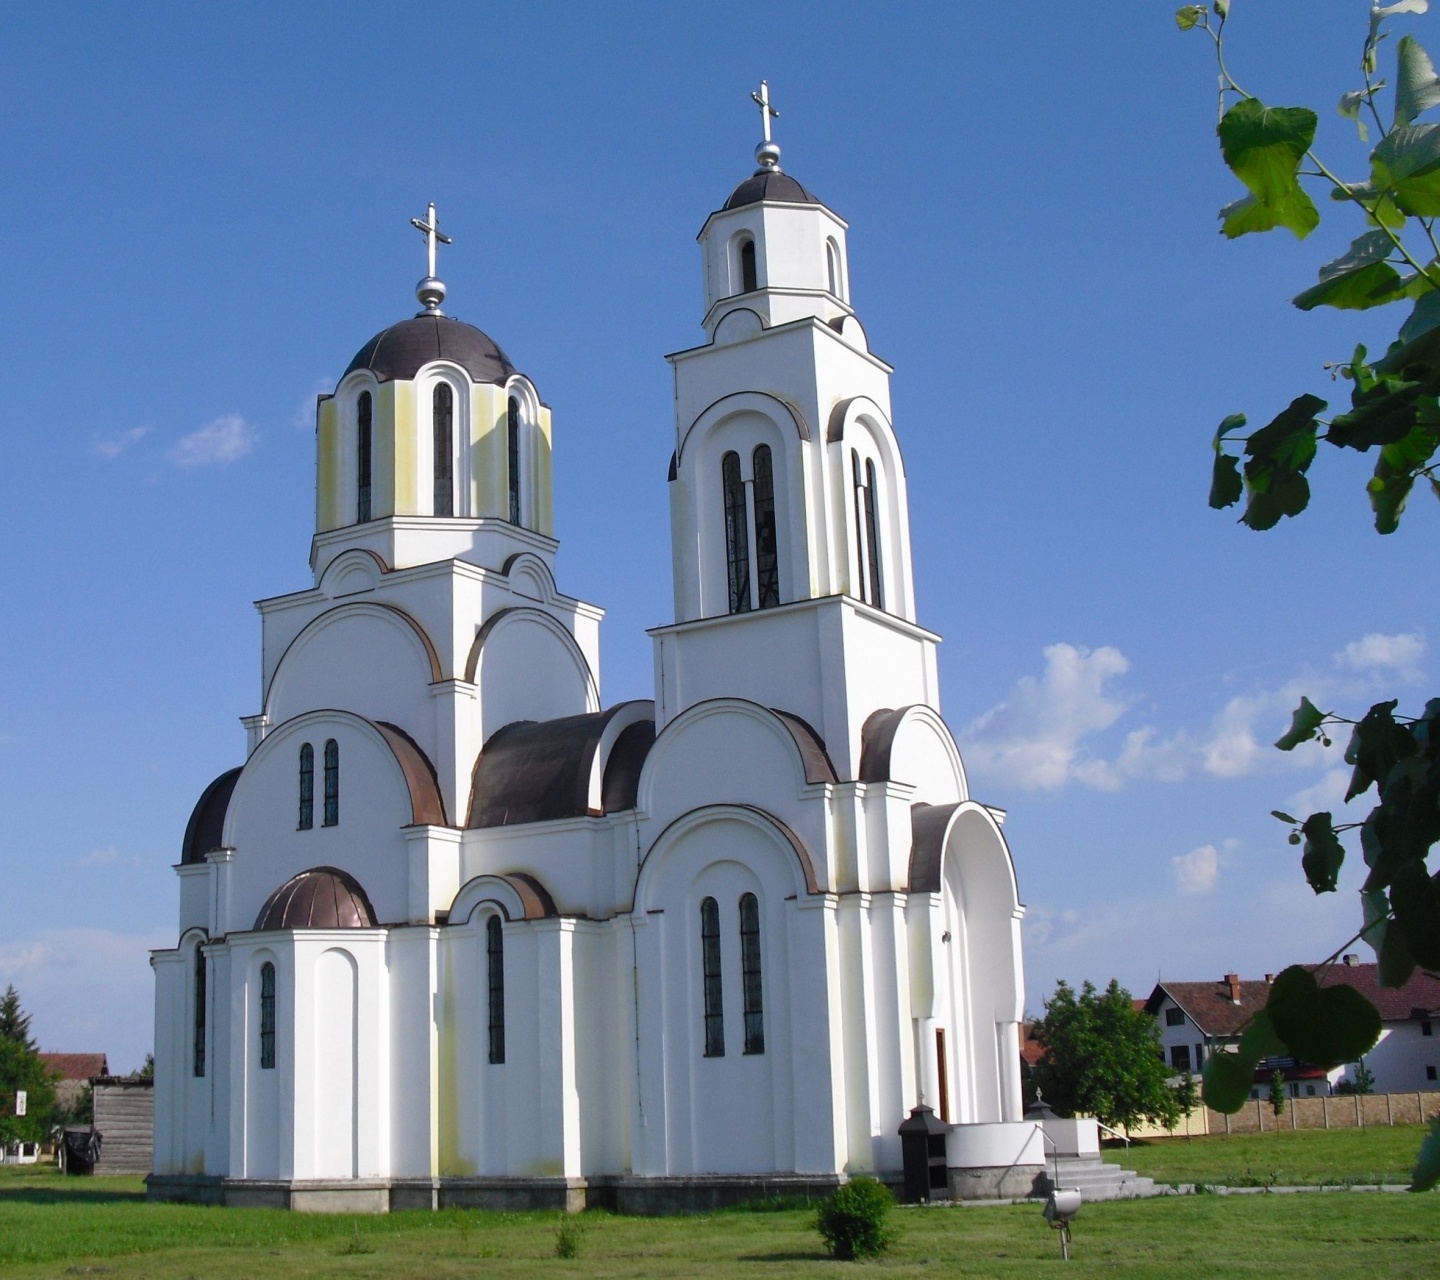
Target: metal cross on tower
x,y
762,100
431,291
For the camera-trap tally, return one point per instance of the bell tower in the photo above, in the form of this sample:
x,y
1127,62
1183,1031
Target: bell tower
x,y
790,527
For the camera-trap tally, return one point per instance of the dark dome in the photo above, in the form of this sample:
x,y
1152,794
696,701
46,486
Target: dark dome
x,y
400,350
205,829
770,184
322,898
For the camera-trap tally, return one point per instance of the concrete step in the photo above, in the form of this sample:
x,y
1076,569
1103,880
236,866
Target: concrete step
x,y
1098,1180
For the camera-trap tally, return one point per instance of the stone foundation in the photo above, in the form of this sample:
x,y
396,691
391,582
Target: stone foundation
x,y
998,1182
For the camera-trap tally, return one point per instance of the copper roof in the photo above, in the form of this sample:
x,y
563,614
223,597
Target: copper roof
x,y
76,1066
426,803
206,827
403,349
927,844
321,898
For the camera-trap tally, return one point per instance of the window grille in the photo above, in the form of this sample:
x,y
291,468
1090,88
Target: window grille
x,y
1174,1017
767,560
748,279
495,954
307,787
444,413
737,536
332,783
198,1065
750,974
267,1016
362,458
710,968
872,536
859,526
512,454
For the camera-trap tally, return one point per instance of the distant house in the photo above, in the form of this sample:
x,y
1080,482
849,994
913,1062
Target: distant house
x,y
1197,1019
74,1071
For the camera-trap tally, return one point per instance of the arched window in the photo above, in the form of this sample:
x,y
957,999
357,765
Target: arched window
x,y
710,968
750,974
767,560
444,420
267,1016
198,1064
332,783
737,534
307,787
512,456
832,266
495,955
748,279
872,536
859,525
362,458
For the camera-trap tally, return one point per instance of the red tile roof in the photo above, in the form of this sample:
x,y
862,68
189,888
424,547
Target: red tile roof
x,y
1418,998
76,1066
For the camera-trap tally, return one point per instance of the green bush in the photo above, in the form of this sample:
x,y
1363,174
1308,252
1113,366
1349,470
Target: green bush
x,y
852,1220
568,1238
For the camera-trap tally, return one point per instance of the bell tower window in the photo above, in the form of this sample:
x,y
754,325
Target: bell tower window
x,y
872,537
710,975
332,783
197,1063
767,561
267,1016
750,973
832,267
748,279
444,422
495,959
737,535
362,457
307,787
512,456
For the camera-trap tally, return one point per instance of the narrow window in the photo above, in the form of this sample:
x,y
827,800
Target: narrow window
x,y
444,414
747,267
710,967
859,526
1180,1057
512,454
495,954
872,537
832,267
1175,1017
750,974
362,457
1427,1028
199,1057
737,537
307,787
944,1072
332,783
267,1016
767,561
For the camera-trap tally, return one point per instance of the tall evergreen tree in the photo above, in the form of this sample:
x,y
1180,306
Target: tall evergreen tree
x,y
21,1070
14,1021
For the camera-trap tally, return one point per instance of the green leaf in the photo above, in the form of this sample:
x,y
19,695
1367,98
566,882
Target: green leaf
x,y
1407,164
1190,16
1304,723
1427,1165
1424,318
1359,279
1324,854
1284,817
1376,743
1322,1026
1417,88
1260,1040
1416,900
1263,147
1226,1082
1222,8
1382,413
1225,483
1279,453
1396,961
1388,496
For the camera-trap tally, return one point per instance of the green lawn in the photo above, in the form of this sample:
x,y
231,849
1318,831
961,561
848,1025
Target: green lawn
x,y
1309,1157
103,1227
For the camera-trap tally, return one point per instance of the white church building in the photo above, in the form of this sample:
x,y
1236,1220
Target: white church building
x,y
457,932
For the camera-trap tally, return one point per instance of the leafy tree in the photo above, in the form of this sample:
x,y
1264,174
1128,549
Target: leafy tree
x,y
1103,1058
22,1069
1276,1096
1187,1098
1394,412
80,1113
1362,1081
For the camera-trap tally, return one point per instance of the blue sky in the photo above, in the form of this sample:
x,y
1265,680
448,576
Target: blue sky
x,y
205,214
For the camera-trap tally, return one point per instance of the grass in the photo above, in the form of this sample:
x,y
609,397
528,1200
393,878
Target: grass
x,y
1309,1157
103,1227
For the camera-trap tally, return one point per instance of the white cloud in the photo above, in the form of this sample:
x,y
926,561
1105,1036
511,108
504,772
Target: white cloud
x,y
1197,871
1376,652
1033,738
1327,795
100,857
114,445
217,443
304,419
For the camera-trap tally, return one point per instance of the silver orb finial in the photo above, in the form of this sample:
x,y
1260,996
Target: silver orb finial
x,y
768,152
767,155
430,291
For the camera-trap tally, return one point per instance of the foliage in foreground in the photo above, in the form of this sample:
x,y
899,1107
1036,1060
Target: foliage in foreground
x,y
852,1220
1395,411
21,1068
1102,1058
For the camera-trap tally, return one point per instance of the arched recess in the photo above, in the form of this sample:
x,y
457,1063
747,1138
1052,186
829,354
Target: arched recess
x,y
528,667
913,745
731,747
352,572
339,460
530,576
332,661
461,468
519,896
737,325
532,454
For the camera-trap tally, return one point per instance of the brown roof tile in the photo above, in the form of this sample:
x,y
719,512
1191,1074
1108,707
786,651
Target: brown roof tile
x,y
1418,998
76,1066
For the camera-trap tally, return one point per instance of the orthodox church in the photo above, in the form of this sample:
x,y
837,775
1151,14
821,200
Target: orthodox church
x,y
458,933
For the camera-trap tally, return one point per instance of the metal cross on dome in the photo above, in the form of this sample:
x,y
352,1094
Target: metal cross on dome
x,y
762,100
430,228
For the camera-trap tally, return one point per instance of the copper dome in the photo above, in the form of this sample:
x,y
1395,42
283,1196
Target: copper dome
x,y
321,898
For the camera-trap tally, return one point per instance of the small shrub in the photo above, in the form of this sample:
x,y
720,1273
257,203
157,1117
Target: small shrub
x,y
357,1243
852,1220
568,1238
